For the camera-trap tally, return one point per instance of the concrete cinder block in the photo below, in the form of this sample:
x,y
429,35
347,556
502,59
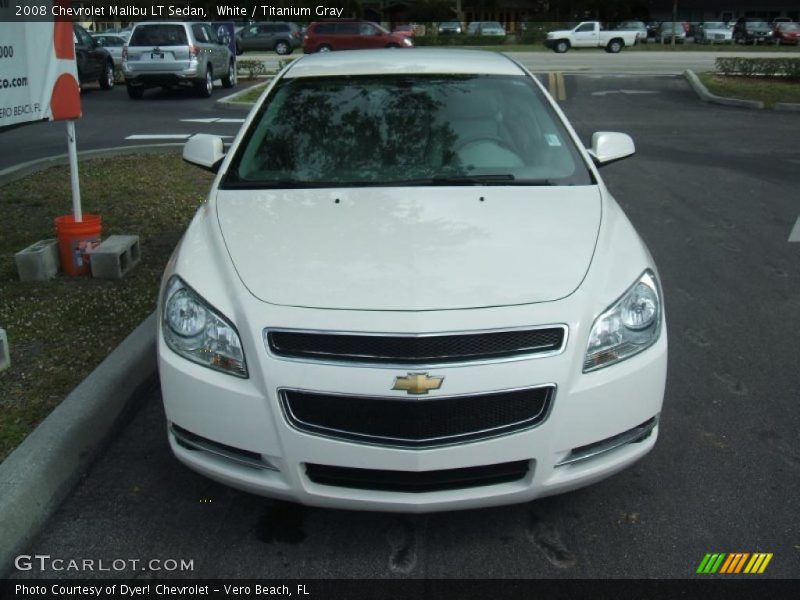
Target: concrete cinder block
x,y
5,353
115,256
38,261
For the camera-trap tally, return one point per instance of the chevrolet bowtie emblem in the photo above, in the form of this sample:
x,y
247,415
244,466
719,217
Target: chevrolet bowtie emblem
x,y
417,383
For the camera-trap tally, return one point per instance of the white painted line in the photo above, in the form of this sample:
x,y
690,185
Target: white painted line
x,y
795,235
161,136
631,92
212,120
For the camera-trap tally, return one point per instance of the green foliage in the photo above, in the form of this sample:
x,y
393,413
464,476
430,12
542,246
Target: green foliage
x,y
253,68
761,66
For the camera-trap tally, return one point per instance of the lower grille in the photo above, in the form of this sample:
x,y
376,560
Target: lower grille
x,y
418,481
415,422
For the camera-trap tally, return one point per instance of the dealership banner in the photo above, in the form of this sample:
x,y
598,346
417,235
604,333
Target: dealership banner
x,y
38,76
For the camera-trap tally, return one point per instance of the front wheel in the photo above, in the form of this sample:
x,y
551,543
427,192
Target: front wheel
x,y
206,85
229,80
562,46
106,80
282,48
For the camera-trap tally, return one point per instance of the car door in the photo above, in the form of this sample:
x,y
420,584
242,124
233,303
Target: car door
x,y
219,51
249,37
347,37
370,36
85,55
585,35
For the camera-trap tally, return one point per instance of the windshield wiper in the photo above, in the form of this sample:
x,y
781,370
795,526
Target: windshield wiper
x,y
489,179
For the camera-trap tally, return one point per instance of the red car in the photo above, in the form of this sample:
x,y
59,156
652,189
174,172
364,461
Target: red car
x,y
787,33
324,36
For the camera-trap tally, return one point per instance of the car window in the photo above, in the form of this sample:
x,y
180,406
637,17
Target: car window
x,y
367,29
284,28
158,35
324,28
211,35
83,38
586,27
397,130
200,33
347,28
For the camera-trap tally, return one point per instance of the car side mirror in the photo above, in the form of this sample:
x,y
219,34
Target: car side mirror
x,y
205,151
608,147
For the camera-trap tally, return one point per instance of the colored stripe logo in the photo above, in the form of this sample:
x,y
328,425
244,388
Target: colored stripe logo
x,y
734,563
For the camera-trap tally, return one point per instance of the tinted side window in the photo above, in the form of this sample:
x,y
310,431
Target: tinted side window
x,y
347,28
283,27
199,33
325,28
210,33
586,27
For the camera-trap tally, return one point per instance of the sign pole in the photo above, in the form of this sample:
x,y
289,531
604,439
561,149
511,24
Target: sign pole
x,y
73,171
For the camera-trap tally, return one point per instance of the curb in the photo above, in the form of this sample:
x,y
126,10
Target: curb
x,y
19,171
706,96
229,102
41,472
787,106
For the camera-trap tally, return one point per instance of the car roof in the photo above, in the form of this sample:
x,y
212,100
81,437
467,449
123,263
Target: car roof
x,y
411,60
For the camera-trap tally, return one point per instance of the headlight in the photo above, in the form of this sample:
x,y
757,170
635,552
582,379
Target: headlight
x,y
193,329
407,42
628,326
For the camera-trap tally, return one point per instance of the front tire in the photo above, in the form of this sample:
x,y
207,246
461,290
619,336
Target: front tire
x,y
106,80
561,46
324,48
229,80
206,85
282,48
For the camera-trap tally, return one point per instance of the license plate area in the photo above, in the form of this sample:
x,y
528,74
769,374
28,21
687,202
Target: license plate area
x,y
157,56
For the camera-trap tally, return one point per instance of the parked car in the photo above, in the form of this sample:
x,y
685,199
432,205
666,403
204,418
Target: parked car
x,y
431,303
486,28
747,31
449,27
713,32
176,53
324,36
787,33
669,30
638,26
113,43
94,62
589,34
281,37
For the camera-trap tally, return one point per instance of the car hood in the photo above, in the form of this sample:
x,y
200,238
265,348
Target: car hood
x,y
411,248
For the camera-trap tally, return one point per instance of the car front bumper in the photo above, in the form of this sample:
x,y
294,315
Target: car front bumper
x,y
234,430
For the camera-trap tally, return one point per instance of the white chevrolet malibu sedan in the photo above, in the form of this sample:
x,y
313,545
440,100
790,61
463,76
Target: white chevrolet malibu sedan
x,y
410,290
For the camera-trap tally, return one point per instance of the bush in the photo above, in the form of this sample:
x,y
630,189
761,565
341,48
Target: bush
x,y
253,68
764,67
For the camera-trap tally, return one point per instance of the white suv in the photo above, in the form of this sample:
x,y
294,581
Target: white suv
x,y
410,290
173,53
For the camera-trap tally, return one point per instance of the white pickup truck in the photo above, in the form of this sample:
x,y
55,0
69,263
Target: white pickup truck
x,y
589,34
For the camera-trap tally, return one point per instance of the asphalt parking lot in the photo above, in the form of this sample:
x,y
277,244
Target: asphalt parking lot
x,y
713,192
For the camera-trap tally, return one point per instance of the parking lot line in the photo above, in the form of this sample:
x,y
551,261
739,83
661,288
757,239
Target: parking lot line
x,y
160,136
794,236
561,86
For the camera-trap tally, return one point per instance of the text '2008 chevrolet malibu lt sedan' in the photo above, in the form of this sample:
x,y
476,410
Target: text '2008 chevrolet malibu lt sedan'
x,y
409,290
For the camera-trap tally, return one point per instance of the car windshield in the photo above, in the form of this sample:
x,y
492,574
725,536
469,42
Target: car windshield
x,y
758,25
714,26
406,130
158,35
790,26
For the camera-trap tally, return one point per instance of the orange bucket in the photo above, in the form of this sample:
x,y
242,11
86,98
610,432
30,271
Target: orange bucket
x,y
75,239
